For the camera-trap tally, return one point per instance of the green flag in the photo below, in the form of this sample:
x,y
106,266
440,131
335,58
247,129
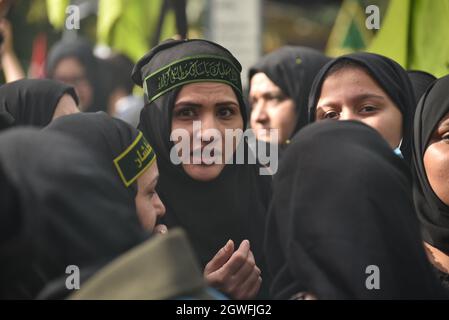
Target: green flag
x,y
415,33
349,33
56,12
129,25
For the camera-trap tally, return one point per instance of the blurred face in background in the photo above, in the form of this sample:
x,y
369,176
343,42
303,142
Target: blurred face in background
x,y
4,7
436,160
70,71
270,109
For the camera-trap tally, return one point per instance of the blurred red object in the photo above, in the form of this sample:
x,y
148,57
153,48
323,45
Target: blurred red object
x,y
38,57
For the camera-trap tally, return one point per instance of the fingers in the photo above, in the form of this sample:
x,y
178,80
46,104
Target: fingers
x,y
219,259
245,284
234,273
160,229
238,259
246,270
250,287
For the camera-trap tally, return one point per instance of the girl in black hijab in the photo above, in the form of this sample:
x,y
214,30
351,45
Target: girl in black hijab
x,y
74,63
59,207
35,102
233,204
431,168
370,88
420,80
292,69
125,153
342,224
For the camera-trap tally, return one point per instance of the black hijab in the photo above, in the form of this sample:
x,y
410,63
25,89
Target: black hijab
x,y
432,212
233,206
94,68
390,76
292,69
342,206
65,209
420,80
31,101
118,146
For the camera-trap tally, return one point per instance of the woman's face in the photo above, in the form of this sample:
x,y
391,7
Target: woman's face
x,y
270,109
70,71
436,160
351,94
65,106
148,204
216,106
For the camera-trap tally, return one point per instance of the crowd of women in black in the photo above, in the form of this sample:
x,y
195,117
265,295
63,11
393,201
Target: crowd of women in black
x,y
363,181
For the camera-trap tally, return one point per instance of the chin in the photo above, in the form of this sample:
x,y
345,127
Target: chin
x,y
203,172
265,137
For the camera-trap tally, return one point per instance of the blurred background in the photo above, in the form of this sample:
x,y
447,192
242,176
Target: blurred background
x,y
413,32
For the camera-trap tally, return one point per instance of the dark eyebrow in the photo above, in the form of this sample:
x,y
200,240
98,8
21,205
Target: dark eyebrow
x,y
188,104
356,98
368,96
227,103
444,123
273,93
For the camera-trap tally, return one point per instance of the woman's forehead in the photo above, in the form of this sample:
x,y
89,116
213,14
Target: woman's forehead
x,y
203,92
260,82
351,82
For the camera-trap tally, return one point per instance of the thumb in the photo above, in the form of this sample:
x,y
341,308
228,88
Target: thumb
x,y
220,258
160,229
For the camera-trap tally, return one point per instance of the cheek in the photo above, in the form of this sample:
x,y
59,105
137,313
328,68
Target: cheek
x,y
283,117
436,164
389,125
235,123
253,116
84,92
184,130
145,212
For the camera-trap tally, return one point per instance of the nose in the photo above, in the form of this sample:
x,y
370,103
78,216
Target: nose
x,y
203,133
208,122
348,114
159,207
258,113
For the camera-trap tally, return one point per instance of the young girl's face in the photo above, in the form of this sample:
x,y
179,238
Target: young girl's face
x,y
351,94
214,106
436,160
148,204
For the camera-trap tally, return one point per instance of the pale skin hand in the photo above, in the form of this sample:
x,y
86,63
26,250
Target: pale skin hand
x,y
234,272
11,65
160,229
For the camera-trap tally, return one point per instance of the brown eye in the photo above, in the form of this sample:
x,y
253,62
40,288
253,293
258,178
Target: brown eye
x,y
368,109
278,98
225,112
330,115
445,137
185,113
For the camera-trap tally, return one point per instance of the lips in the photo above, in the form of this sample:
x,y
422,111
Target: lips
x,y
199,158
